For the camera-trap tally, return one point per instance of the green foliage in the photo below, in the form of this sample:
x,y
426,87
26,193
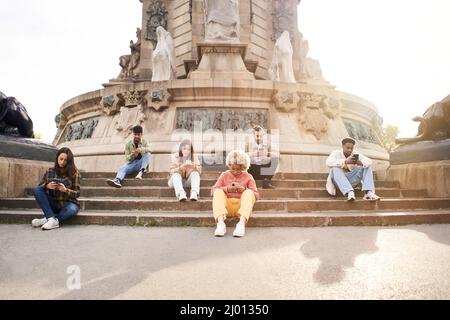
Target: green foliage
x,y
390,133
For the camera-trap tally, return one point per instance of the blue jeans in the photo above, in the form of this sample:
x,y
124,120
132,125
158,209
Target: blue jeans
x,y
51,209
134,166
346,181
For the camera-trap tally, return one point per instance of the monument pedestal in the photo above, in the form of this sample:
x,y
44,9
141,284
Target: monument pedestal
x,y
422,165
221,60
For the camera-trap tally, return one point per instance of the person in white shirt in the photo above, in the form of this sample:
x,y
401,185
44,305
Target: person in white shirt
x,y
264,161
349,168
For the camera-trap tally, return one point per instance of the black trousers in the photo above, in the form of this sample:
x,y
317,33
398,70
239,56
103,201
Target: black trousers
x,y
264,171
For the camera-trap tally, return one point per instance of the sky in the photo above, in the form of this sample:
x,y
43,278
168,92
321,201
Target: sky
x,y
394,53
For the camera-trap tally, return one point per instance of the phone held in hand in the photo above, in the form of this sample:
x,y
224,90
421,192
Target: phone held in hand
x,y
355,157
56,180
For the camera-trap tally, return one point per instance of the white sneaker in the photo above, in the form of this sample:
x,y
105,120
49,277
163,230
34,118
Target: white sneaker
x,y
240,230
182,197
194,196
36,223
139,175
351,196
371,196
51,223
221,229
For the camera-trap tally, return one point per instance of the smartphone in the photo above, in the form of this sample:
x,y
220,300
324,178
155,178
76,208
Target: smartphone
x,y
234,184
355,157
56,180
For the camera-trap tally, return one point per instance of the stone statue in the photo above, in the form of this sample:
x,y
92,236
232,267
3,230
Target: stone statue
x,y
434,124
164,67
124,62
309,68
281,68
221,20
14,118
135,55
130,62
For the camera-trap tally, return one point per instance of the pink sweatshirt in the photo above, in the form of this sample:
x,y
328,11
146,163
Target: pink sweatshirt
x,y
244,179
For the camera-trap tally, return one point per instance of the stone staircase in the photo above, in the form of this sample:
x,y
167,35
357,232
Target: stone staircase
x,y
299,199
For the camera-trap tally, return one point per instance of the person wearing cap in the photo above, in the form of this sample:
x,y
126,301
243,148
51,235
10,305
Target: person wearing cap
x,y
349,168
137,155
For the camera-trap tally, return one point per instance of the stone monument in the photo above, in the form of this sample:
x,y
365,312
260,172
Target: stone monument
x,y
224,85
424,160
22,158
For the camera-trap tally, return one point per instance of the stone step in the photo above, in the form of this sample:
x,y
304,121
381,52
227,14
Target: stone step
x,y
287,193
284,205
162,182
215,175
206,175
258,219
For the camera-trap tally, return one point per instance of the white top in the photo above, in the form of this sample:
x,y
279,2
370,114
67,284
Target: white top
x,y
337,159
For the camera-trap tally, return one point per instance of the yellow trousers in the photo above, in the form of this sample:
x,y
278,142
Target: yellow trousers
x,y
232,206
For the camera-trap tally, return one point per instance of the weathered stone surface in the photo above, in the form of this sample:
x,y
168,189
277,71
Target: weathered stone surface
x,y
434,124
422,151
23,148
17,175
433,176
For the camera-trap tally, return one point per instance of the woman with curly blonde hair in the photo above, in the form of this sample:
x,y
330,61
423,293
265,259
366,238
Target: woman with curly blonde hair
x,y
234,194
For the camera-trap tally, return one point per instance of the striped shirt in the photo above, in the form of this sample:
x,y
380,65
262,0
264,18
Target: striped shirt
x,y
72,185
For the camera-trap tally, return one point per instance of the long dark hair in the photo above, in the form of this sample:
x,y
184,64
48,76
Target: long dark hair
x,y
70,168
186,143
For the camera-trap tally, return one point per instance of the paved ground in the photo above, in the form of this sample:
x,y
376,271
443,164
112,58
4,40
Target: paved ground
x,y
188,263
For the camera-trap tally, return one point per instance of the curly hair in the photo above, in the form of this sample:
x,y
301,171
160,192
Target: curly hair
x,y
238,157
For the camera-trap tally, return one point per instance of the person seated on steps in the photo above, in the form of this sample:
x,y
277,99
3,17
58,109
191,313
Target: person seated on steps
x,y
137,155
58,191
234,194
263,161
185,172
349,168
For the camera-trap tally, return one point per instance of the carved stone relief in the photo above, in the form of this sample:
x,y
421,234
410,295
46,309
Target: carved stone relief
x,y
360,131
220,119
157,17
81,130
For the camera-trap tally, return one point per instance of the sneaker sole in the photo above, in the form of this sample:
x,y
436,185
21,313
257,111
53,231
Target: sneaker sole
x,y
219,235
50,228
112,184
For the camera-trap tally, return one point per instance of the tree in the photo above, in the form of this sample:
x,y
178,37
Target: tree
x,y
390,133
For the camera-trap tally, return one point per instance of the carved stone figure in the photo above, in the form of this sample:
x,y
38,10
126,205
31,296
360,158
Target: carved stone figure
x,y
312,117
164,67
124,62
281,68
89,128
309,68
135,58
286,101
218,121
130,62
221,20
14,118
157,17
434,124
283,17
